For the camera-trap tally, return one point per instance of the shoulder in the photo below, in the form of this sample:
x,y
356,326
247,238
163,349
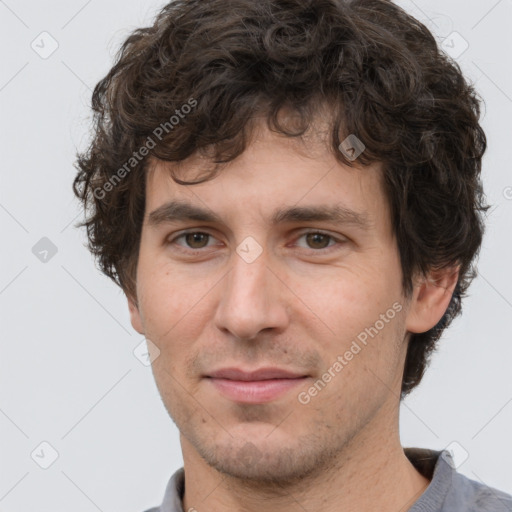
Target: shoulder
x,y
451,491
172,500
473,496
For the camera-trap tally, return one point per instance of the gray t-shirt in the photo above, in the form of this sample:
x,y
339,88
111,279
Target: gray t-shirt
x,y
448,491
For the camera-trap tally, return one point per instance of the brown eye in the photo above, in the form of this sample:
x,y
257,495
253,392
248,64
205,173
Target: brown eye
x,y
196,240
318,240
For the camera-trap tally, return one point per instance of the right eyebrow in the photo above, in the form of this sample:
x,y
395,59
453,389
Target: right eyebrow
x,y
175,211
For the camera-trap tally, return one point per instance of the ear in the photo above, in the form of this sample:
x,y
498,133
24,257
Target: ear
x,y
135,317
431,297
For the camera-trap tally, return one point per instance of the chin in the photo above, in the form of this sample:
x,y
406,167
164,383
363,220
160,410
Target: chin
x,y
266,464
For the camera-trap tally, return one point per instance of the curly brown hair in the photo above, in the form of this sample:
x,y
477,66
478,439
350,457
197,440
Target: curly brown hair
x,y
194,80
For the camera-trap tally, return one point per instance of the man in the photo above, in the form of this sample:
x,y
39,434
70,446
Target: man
x,y
288,193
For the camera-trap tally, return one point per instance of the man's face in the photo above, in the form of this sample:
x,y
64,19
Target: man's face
x,y
248,293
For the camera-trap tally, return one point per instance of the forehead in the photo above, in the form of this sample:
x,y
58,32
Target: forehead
x,y
273,171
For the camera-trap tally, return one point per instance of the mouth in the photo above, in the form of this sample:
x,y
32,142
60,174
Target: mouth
x,y
255,387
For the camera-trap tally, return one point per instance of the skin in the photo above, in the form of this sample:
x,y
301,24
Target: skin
x,y
299,305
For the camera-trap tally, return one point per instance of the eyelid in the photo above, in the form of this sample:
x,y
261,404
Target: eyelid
x,y
338,239
180,234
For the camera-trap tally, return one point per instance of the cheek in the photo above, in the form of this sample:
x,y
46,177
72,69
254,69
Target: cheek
x,y
359,319
344,301
163,300
174,309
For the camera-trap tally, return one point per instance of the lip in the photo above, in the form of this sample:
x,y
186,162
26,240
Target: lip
x,y
256,386
266,373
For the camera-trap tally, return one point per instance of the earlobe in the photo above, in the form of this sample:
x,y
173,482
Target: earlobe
x,y
135,317
431,297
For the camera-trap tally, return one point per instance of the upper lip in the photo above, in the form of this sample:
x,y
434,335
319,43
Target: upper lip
x,y
259,374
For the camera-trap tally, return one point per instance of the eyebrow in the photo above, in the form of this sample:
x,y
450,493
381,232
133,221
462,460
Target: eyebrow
x,y
176,211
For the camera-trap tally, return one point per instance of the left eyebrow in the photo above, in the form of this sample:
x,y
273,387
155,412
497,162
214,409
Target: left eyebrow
x,y
176,211
336,214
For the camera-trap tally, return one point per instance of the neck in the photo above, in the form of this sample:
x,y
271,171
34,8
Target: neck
x,y
371,469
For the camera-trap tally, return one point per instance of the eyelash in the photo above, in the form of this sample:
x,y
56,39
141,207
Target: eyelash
x,y
325,250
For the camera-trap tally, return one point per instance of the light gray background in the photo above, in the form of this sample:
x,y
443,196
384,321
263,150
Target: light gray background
x,y
68,375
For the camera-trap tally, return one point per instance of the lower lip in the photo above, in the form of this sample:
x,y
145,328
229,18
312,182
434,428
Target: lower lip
x,y
256,391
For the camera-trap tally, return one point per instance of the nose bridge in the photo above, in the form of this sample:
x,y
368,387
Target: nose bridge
x,y
251,300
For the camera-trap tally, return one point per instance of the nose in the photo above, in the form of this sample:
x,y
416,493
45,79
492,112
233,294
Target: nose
x,y
253,299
